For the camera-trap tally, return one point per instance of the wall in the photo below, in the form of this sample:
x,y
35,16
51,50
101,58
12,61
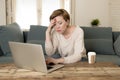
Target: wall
x,y
86,10
115,14
2,12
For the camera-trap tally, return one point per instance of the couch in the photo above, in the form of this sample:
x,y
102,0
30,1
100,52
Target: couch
x,y
101,40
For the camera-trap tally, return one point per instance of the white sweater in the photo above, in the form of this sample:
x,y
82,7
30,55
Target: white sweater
x,y
71,49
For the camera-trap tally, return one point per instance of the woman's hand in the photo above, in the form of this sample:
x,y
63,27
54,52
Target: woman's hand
x,y
51,25
51,60
48,31
54,61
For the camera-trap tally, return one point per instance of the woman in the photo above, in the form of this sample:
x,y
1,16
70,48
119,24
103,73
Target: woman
x,y
67,39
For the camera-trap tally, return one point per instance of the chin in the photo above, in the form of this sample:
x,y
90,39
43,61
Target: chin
x,y
60,32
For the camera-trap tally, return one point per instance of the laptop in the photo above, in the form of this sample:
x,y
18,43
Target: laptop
x,y
31,57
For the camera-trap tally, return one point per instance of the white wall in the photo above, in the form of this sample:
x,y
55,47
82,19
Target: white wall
x,y
2,12
115,14
86,10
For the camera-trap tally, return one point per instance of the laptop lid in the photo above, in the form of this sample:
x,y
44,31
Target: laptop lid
x,y
30,56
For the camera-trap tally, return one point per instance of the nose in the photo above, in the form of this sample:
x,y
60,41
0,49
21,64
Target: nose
x,y
57,26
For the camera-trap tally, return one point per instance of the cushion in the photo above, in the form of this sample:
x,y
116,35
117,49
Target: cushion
x,y
98,39
100,46
117,46
38,42
36,32
108,58
10,32
6,59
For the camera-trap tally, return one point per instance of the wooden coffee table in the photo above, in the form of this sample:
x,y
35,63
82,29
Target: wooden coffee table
x,y
76,71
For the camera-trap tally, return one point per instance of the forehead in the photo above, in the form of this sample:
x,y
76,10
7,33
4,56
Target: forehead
x,y
59,18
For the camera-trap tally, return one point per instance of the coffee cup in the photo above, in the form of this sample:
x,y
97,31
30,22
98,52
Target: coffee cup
x,y
91,57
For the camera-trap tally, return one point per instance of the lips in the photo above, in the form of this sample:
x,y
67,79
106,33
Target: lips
x,y
58,30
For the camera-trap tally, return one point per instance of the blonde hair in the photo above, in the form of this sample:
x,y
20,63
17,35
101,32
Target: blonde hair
x,y
60,12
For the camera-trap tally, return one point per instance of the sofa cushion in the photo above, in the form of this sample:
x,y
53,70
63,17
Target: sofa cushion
x,y
36,32
98,39
6,59
100,46
117,46
36,35
108,58
41,42
10,32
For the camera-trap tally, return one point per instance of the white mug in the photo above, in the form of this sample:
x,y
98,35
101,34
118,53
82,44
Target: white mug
x,y
91,57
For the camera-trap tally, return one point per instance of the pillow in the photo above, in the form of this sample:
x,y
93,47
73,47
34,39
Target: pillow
x,y
98,39
100,46
36,32
36,35
38,42
117,46
10,32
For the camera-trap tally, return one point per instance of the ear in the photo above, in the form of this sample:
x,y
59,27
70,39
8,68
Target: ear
x,y
68,22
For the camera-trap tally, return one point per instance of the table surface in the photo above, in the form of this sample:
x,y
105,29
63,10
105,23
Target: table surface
x,y
76,71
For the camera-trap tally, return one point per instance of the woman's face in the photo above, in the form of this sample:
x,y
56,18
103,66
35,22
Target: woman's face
x,y
60,24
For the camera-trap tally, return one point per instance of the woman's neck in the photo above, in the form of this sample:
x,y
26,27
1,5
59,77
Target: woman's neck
x,y
68,32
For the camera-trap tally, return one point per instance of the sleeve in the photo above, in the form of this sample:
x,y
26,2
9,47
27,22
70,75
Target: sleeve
x,y
51,46
79,49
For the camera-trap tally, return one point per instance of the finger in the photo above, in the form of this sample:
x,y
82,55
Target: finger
x,y
47,62
55,20
52,21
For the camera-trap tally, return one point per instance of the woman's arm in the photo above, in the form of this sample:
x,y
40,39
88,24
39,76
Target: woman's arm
x,y
51,41
49,29
79,49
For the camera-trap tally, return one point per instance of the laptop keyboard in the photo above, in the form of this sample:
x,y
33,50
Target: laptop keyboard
x,y
49,67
